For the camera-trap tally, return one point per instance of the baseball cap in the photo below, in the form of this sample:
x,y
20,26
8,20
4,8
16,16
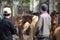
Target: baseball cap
x,y
44,7
7,10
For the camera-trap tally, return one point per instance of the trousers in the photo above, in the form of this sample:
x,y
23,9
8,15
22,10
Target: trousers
x,y
42,38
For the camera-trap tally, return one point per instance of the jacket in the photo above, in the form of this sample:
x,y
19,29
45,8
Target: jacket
x,y
7,29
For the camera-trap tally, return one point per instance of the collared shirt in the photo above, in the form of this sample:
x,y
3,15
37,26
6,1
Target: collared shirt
x,y
44,24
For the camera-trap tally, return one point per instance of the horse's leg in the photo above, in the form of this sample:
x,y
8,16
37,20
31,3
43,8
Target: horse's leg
x,y
51,35
20,33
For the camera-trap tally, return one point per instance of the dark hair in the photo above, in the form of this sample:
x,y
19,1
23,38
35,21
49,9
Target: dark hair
x,y
43,8
36,13
25,18
6,14
28,17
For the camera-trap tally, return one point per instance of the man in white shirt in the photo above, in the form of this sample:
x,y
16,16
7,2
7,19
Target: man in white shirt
x,y
43,24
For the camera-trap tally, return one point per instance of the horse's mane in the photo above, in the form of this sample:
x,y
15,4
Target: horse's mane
x,y
25,18
54,13
54,23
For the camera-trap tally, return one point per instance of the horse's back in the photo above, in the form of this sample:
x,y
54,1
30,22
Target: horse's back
x,y
57,33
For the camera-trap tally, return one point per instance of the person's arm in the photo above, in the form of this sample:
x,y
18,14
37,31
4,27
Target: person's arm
x,y
39,25
12,28
50,26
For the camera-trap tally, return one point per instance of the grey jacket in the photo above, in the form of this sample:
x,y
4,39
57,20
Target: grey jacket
x,y
43,25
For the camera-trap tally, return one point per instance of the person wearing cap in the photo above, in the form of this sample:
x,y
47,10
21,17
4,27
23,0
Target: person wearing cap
x,y
6,26
44,24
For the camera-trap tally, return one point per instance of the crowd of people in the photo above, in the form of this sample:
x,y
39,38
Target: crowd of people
x,y
29,25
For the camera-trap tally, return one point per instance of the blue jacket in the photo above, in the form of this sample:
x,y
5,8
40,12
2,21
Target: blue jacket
x,y
6,29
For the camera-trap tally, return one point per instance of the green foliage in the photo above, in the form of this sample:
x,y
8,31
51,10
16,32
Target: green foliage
x,y
9,2
26,1
0,1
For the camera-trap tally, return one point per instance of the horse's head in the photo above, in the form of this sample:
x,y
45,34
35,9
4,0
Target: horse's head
x,y
54,16
54,19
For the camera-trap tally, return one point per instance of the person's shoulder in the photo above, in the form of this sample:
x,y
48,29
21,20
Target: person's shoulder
x,y
45,15
6,20
3,21
42,15
48,15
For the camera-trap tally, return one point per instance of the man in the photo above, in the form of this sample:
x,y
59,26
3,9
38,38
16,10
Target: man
x,y
43,24
6,26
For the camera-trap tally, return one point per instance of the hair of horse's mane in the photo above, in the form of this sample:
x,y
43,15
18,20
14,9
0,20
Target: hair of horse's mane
x,y
54,23
25,18
54,13
16,19
54,16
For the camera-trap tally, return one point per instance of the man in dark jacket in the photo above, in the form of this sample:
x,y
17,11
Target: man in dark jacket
x,y
6,27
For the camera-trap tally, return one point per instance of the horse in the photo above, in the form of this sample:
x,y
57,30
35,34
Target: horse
x,y
54,24
16,23
57,33
19,21
26,25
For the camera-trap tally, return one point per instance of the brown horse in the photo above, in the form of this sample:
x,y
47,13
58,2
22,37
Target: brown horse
x,y
57,33
54,24
26,25
22,21
16,21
